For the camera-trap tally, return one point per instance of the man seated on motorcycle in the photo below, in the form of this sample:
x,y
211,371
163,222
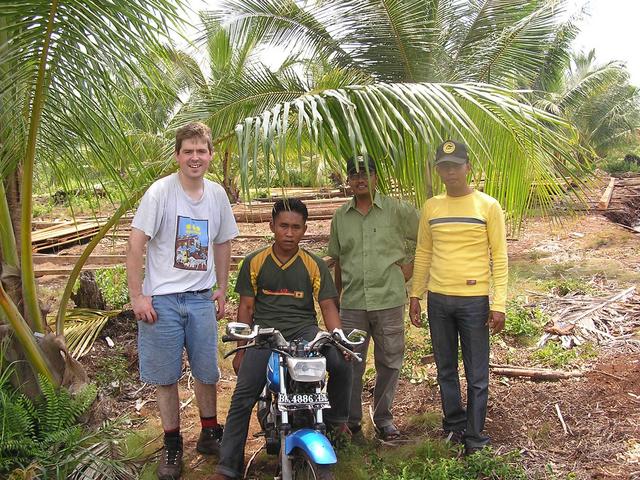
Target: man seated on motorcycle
x,y
277,286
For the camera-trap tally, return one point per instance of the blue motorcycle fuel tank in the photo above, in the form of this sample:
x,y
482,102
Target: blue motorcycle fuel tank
x,y
273,372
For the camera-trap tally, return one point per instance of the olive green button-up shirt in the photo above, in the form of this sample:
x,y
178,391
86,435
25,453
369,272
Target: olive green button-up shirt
x,y
370,249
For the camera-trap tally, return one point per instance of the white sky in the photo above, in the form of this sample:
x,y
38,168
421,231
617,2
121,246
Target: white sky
x,y
612,27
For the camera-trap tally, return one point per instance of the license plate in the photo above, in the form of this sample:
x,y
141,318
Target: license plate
x,y
289,401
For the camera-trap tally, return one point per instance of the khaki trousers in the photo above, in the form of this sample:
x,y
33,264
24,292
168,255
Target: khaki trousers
x,y
386,327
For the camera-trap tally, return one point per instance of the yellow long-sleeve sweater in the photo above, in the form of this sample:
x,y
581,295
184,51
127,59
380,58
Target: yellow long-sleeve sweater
x,y
462,246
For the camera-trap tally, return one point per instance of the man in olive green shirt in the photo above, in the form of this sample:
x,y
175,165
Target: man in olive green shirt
x,y
368,242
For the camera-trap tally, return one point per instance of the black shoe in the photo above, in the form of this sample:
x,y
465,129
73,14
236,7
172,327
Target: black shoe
x,y
454,436
357,435
471,450
339,434
209,440
388,432
170,463
355,428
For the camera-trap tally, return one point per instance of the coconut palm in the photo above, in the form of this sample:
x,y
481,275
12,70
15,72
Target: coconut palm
x,y
598,100
116,129
63,65
238,84
491,41
475,49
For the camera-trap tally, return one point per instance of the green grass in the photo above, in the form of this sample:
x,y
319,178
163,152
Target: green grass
x,y
427,460
425,421
553,355
41,207
112,371
232,295
417,347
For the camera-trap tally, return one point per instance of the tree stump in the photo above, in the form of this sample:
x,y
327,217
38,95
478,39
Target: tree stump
x,y
89,295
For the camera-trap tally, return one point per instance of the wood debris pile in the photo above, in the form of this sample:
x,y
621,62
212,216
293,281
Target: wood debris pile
x,y
620,201
261,212
64,234
610,322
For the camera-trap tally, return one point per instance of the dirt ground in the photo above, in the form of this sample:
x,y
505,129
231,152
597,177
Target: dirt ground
x,y
601,410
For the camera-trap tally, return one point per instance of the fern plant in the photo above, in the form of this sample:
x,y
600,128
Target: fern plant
x,y
47,438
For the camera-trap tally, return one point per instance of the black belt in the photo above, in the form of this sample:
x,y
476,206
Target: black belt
x,y
195,292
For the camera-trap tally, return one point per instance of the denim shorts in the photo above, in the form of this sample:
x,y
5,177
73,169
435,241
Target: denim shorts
x,y
185,320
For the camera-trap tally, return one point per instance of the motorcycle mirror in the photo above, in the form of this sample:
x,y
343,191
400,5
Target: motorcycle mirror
x,y
238,329
357,336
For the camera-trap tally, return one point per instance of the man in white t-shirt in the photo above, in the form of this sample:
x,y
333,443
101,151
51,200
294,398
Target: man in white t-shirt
x,y
187,225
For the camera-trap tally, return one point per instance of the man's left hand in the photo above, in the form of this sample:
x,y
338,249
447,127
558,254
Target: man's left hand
x,y
495,321
219,297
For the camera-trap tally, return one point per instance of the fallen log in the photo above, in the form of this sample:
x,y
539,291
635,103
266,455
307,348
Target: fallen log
x,y
603,204
533,373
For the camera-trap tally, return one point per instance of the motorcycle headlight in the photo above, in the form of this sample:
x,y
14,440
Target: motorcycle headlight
x,y
307,369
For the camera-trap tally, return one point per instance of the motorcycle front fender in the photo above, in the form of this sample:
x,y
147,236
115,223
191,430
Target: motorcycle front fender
x,y
313,443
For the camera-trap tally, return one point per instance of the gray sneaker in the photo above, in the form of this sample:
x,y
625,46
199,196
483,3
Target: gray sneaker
x,y
170,463
209,440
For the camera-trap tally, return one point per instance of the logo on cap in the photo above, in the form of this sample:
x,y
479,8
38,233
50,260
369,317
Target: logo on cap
x,y
448,147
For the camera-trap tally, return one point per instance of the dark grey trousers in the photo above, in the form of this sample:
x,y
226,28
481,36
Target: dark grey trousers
x,y
252,378
451,317
386,327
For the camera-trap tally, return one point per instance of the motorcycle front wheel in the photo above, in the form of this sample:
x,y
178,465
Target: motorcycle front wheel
x,y
303,468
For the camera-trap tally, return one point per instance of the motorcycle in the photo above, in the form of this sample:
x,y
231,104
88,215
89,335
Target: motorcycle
x,y
290,406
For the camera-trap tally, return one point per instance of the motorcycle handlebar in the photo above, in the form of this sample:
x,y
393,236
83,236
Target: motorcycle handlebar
x,y
336,338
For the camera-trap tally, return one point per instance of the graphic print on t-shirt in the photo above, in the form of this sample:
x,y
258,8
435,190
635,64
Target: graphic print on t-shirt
x,y
192,244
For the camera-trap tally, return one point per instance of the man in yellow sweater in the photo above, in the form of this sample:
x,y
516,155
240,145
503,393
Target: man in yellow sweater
x,y
461,248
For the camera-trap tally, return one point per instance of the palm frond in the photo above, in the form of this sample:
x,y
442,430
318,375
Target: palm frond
x,y
399,126
515,52
589,84
82,327
557,56
285,22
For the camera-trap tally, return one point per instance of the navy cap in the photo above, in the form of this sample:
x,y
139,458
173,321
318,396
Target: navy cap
x,y
351,164
451,151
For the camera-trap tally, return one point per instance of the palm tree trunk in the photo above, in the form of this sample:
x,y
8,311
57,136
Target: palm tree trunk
x,y
227,181
29,292
25,336
8,251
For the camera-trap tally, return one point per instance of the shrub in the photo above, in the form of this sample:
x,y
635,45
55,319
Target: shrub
x,y
554,355
523,321
564,286
619,165
112,282
45,438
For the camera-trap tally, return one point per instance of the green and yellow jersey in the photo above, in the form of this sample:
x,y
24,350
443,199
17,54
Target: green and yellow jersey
x,y
285,292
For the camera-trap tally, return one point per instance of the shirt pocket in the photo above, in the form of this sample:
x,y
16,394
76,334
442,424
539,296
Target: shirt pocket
x,y
384,238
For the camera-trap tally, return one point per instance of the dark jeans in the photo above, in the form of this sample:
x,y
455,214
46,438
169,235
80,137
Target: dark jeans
x,y
449,317
252,379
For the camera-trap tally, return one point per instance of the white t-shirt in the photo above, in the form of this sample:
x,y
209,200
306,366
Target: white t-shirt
x,y
181,235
